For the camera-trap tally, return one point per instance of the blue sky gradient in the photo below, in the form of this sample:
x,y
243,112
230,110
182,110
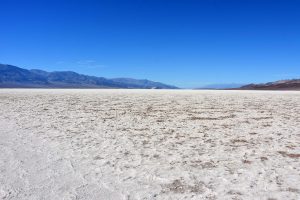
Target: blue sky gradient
x,y
187,43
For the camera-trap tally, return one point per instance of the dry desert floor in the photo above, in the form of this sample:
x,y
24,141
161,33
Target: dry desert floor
x,y
149,144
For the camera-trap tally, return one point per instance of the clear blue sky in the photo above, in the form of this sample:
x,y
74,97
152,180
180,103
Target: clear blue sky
x,y
187,43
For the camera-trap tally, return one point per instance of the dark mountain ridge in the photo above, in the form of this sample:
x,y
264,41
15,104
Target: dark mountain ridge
x,y
293,84
16,77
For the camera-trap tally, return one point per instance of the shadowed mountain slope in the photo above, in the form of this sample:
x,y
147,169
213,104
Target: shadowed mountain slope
x,y
16,77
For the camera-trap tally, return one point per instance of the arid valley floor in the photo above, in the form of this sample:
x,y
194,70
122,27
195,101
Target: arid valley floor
x,y
149,144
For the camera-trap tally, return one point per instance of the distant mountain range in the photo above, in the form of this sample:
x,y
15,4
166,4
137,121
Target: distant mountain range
x,y
293,84
222,86
16,77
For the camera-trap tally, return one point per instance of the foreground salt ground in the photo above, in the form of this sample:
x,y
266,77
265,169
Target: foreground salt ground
x,y
149,144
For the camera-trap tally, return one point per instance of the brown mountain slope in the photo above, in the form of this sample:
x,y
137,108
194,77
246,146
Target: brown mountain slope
x,y
293,84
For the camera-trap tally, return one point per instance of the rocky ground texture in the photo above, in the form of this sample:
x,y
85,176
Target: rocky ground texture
x,y
149,144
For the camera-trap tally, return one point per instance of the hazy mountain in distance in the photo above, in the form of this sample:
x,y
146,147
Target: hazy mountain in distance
x,y
144,83
222,86
16,77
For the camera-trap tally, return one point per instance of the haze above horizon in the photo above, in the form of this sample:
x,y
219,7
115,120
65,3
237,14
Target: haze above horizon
x,y
184,43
